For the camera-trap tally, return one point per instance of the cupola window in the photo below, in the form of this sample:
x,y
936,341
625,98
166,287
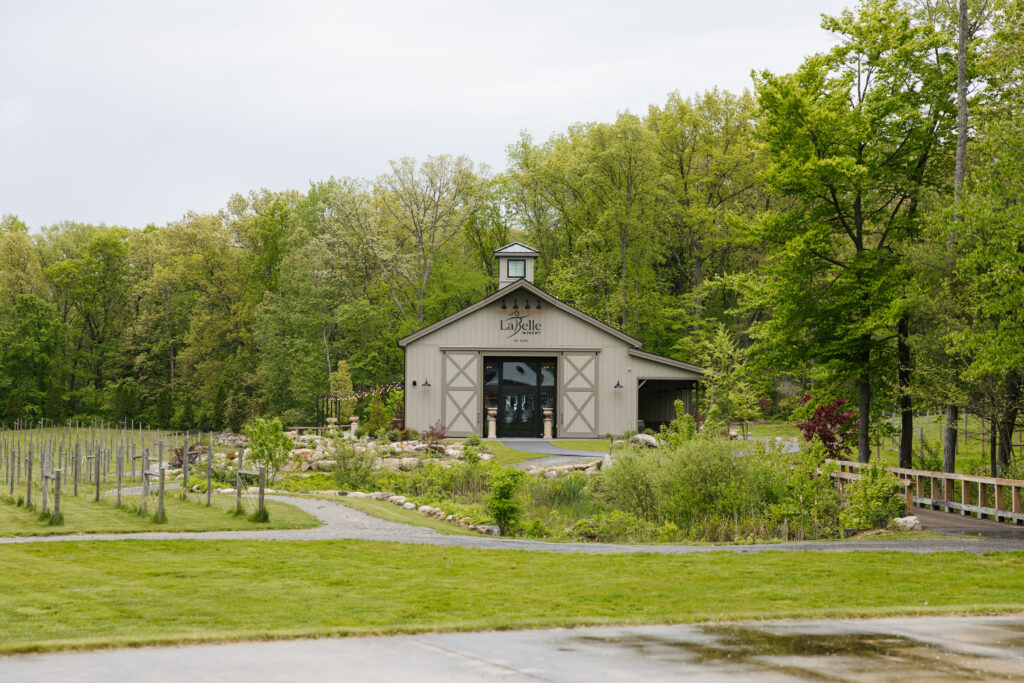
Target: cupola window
x,y
517,267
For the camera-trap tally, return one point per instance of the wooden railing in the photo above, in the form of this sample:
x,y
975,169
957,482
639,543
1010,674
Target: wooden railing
x,y
993,497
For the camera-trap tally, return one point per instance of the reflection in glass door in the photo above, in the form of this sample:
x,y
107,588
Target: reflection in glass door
x,y
518,388
519,417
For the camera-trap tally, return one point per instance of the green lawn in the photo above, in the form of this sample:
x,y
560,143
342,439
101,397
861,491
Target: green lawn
x,y
599,446
88,594
503,455
396,513
86,516
786,430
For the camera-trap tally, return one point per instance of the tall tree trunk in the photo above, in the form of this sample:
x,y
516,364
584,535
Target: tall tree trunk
x,y
961,108
906,405
864,407
993,444
1008,420
960,170
949,448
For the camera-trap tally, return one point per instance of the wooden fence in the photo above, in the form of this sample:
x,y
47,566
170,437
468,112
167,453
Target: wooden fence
x,y
992,497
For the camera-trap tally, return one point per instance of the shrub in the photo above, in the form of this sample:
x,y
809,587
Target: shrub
x,y
833,425
354,470
376,415
271,447
360,432
872,500
394,435
503,504
473,440
435,433
414,434
616,526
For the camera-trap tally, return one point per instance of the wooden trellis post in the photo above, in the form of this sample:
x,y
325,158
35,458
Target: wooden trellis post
x,y
209,471
160,516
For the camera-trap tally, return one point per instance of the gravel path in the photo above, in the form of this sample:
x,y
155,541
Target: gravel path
x,y
343,522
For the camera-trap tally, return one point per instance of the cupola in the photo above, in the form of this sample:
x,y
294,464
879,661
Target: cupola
x,y
515,262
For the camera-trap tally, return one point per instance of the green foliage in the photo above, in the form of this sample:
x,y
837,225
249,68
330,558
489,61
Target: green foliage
x,y
503,503
872,500
473,440
376,415
710,490
271,447
354,471
341,384
731,396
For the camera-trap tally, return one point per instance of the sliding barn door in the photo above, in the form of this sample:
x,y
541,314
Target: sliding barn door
x,y
462,400
579,395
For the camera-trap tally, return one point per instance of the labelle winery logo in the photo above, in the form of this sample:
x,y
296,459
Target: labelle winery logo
x,y
518,326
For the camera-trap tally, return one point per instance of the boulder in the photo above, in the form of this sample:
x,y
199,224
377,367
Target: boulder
x,y
550,474
425,509
484,457
607,461
358,494
464,522
380,495
408,463
303,453
910,523
644,440
409,506
420,447
397,500
491,530
453,452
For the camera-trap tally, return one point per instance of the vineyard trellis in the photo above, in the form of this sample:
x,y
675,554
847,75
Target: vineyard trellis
x,y
40,462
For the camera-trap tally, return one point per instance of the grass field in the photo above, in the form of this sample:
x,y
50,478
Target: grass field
x,y
396,513
600,446
503,455
89,517
89,594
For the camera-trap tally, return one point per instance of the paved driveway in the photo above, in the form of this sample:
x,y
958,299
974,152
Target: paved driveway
x,y
931,649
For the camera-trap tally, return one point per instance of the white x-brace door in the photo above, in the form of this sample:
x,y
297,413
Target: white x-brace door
x,y
579,395
462,401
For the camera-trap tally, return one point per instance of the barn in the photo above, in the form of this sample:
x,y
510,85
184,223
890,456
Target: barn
x,y
522,364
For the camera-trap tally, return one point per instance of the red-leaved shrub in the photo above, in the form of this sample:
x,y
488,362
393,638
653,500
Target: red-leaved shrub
x,y
834,426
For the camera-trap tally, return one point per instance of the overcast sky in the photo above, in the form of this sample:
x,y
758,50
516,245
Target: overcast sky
x,y
138,111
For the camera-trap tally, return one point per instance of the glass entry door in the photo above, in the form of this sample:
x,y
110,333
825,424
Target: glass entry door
x,y
519,415
519,389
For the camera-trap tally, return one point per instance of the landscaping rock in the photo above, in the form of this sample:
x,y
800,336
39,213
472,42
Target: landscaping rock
x,y
607,461
397,500
409,506
303,453
644,440
464,522
425,509
492,530
358,494
380,495
408,463
910,523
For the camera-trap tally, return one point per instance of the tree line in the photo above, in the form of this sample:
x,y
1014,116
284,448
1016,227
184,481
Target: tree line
x,y
855,224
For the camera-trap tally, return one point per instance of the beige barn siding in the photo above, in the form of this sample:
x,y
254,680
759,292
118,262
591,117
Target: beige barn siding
x,y
560,332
